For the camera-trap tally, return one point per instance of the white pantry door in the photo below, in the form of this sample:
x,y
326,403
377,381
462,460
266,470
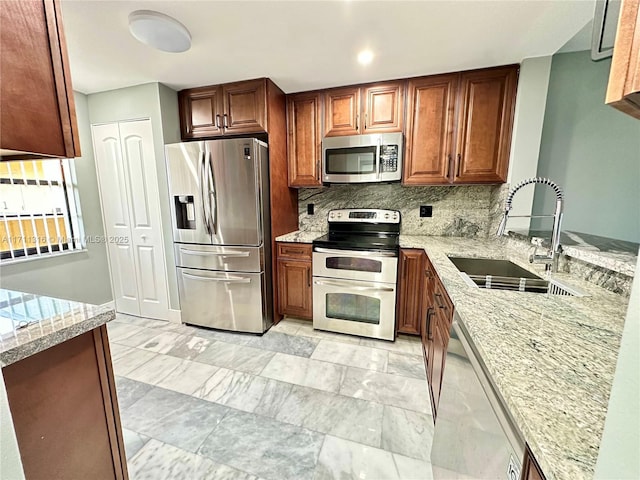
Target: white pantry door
x,y
129,194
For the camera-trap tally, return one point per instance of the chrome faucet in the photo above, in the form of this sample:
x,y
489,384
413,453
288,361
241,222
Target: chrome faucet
x,y
551,258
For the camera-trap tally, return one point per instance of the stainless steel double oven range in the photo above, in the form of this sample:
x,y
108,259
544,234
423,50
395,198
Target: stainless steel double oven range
x,y
355,271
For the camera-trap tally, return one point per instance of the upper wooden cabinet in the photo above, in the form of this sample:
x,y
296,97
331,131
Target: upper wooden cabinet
x,y
459,127
623,91
375,108
430,124
37,108
485,121
229,109
304,128
342,112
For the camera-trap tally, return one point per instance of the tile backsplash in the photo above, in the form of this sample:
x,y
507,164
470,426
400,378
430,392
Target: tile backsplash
x,y
467,210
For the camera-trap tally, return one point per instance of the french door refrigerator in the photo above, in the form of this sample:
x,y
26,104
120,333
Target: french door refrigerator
x,y
219,195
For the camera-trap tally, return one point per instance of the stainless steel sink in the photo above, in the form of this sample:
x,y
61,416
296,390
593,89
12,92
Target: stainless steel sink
x,y
499,274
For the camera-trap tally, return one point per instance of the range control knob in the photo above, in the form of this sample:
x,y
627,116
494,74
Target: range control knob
x,y
339,215
386,215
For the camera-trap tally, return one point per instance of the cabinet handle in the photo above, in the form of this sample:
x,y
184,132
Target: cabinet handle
x,y
459,163
448,165
440,304
319,174
365,121
217,120
427,273
430,312
357,118
226,121
308,277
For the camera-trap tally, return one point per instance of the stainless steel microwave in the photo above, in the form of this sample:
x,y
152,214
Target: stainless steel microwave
x,y
362,158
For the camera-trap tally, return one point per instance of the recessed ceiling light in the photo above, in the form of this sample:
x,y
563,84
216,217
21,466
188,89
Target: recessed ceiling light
x,y
159,31
365,57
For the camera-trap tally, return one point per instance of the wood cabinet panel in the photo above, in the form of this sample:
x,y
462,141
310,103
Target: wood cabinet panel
x,y
530,468
383,108
410,285
430,128
65,411
439,352
487,101
304,139
623,91
342,109
294,279
201,111
245,108
36,95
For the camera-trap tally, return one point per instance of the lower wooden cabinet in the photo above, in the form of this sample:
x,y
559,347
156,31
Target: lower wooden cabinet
x,y
410,286
530,468
294,280
437,315
65,411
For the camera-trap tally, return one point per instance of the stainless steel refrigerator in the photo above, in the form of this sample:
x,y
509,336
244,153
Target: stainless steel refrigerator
x,y
219,194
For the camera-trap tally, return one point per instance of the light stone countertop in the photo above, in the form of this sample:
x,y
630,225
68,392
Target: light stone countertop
x,y
552,358
32,323
300,236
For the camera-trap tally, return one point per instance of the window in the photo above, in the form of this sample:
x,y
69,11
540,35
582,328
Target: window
x,y
39,209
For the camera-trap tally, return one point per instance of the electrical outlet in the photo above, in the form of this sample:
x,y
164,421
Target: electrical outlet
x,y
426,211
310,208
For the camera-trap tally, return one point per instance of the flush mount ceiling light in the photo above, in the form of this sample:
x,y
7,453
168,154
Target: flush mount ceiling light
x,y
365,57
159,31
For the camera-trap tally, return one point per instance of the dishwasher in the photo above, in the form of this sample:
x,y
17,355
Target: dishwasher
x,y
475,436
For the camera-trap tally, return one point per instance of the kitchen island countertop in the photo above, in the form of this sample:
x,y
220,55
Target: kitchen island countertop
x,y
32,323
552,358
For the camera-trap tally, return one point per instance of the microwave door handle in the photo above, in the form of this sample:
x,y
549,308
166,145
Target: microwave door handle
x,y
378,148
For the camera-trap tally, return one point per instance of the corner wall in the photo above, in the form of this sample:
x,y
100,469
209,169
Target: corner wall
x,y
591,150
80,276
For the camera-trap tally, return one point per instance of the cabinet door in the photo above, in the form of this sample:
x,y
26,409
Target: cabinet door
x,y
409,313
383,108
37,108
430,123
342,109
304,139
245,107
623,90
485,121
294,287
201,112
65,410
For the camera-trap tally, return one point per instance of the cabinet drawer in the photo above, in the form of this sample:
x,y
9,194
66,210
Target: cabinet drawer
x,y
294,250
442,302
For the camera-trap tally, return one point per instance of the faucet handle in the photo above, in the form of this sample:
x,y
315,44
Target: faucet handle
x,y
537,241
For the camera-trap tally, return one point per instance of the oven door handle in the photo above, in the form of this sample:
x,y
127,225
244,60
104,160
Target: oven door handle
x,y
352,287
351,253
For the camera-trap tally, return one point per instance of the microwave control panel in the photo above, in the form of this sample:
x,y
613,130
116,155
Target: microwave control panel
x,y
388,158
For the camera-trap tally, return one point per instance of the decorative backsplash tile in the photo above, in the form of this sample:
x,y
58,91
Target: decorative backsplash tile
x,y
461,211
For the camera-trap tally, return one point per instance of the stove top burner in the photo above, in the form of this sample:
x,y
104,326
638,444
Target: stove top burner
x,y
362,229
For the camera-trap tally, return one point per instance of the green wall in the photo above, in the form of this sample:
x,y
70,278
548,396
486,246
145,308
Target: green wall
x,y
591,150
81,276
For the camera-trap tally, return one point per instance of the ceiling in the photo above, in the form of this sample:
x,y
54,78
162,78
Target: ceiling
x,y
305,45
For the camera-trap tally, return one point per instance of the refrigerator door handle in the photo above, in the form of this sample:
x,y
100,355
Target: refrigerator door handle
x,y
201,174
219,254
211,195
214,279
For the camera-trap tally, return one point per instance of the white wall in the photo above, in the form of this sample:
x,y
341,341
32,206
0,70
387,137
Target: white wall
x,y
620,447
81,276
531,101
147,101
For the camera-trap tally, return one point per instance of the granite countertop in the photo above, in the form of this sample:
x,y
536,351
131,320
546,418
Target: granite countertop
x,y
300,236
552,358
32,323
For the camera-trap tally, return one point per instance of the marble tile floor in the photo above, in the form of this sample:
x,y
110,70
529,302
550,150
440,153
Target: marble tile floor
x,y
295,403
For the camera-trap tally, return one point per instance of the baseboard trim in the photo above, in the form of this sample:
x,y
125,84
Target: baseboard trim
x,y
175,316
